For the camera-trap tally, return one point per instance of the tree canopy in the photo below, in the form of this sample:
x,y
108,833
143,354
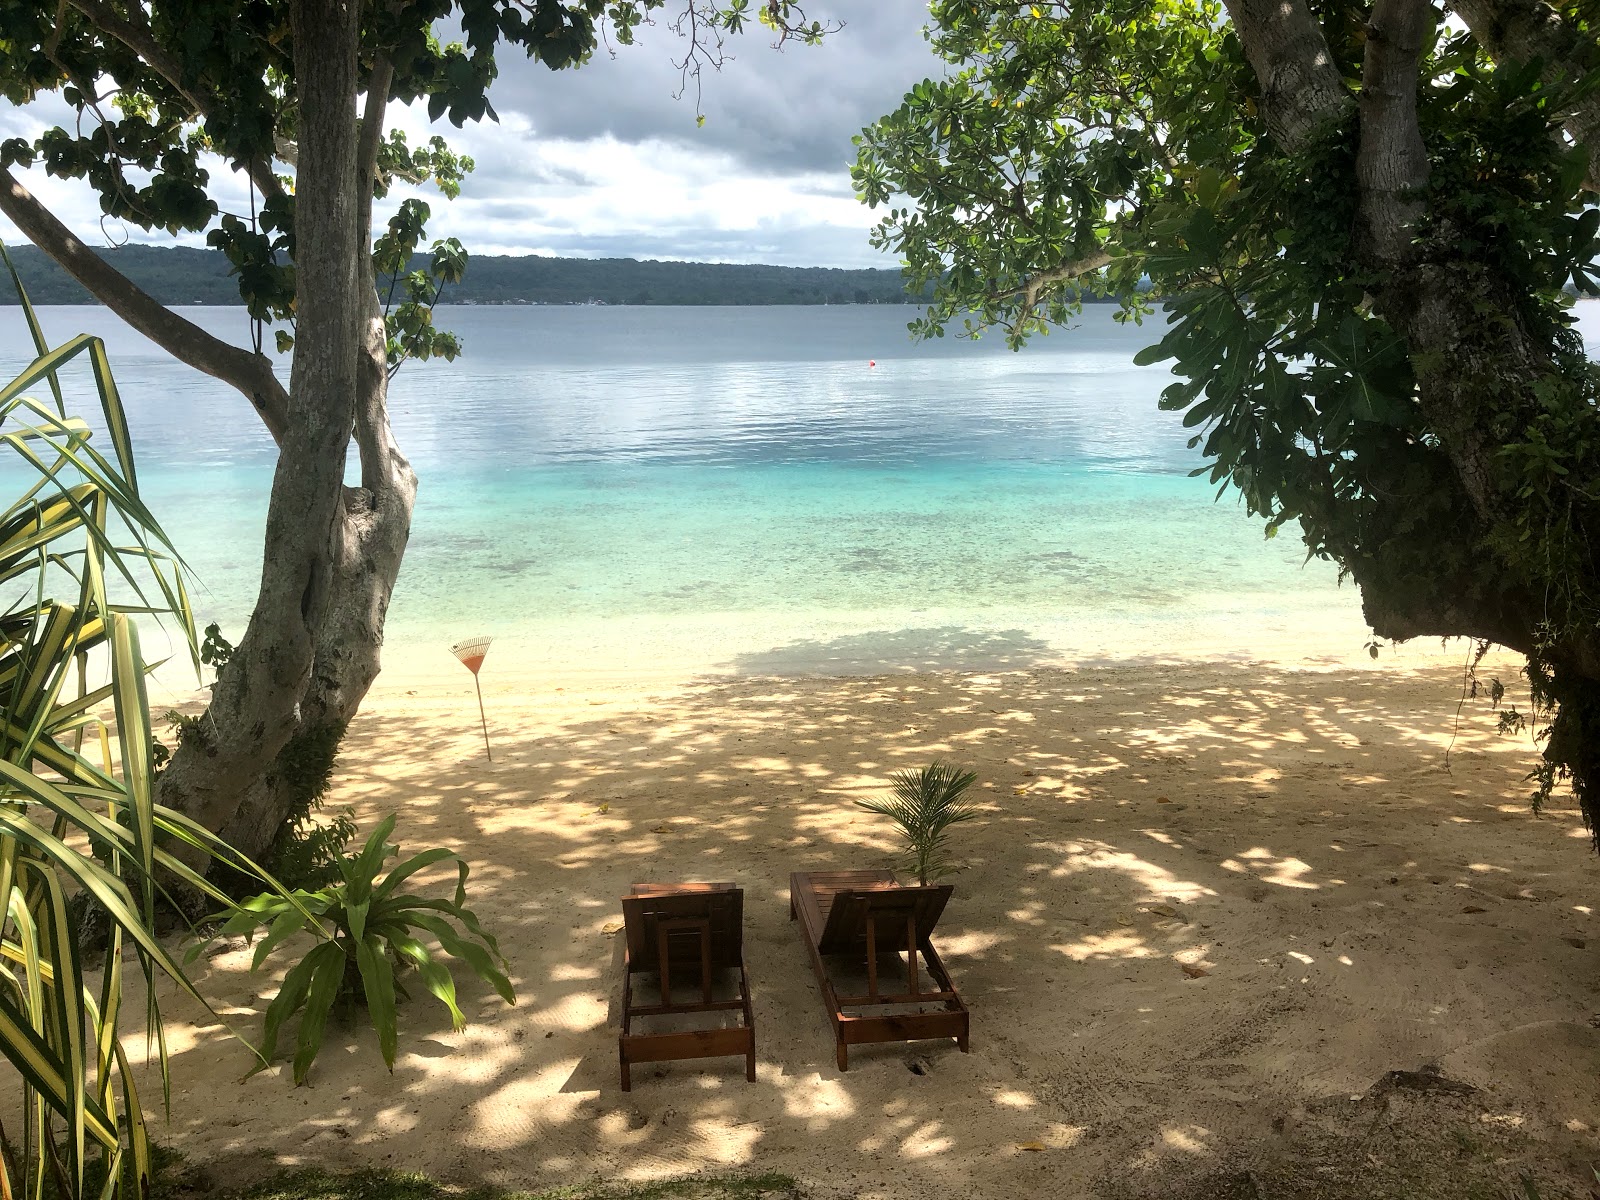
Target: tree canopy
x,y
1362,219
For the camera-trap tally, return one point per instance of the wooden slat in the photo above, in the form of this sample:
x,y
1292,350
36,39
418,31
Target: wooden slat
x,y
677,889
903,1027
814,891
651,906
697,1043
662,1010
902,998
903,917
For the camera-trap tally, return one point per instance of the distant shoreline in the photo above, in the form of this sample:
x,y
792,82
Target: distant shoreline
x,y
187,275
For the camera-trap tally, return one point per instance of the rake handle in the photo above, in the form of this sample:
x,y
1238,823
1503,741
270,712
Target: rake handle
x,y
482,717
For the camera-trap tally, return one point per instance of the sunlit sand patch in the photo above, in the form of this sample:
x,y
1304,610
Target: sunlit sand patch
x,y
1157,881
971,943
818,1101
925,1140
572,1012
1269,868
1118,944
533,1098
1190,1139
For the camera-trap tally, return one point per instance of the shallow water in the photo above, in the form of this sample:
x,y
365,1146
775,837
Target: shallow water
x,y
760,489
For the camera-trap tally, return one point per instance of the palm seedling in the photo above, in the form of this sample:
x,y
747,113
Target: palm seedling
x,y
923,806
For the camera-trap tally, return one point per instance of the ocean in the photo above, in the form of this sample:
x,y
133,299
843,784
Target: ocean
x,y
759,491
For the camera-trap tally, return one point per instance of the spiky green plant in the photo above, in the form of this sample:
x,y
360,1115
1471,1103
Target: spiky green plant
x,y
78,819
367,928
923,806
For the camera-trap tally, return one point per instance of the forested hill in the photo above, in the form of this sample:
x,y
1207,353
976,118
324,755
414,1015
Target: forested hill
x,y
178,275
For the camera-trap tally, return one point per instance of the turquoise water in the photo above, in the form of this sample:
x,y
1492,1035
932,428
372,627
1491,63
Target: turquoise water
x,y
657,488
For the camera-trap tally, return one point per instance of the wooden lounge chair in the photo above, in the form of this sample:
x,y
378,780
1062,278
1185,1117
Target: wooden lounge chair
x,y
855,918
686,933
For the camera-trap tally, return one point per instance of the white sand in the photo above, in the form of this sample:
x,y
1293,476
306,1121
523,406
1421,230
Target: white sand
x,y
1357,907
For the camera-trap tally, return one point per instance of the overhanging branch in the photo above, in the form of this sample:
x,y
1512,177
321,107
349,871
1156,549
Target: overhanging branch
x,y
249,373
1040,280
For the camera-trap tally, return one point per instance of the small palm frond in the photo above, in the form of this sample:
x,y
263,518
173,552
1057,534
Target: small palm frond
x,y
924,805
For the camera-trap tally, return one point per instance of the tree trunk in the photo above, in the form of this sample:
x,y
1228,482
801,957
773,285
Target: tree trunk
x,y
370,544
332,553
1476,378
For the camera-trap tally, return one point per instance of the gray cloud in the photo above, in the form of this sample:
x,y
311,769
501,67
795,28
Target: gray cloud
x,y
775,111
604,162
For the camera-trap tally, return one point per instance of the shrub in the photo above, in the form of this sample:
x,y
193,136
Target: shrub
x,y
367,928
78,829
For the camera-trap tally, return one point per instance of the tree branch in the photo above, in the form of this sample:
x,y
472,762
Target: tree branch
x,y
1525,30
249,373
1392,161
1039,280
1301,91
381,460
371,138
1419,295
142,41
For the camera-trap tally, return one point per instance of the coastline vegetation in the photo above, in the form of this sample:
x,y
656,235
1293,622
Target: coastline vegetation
x,y
181,275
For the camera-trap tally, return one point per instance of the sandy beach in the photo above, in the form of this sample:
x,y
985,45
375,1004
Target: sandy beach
x,y
1208,908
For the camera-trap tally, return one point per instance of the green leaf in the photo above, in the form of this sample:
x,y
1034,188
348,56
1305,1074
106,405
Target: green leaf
x,y
327,973
377,982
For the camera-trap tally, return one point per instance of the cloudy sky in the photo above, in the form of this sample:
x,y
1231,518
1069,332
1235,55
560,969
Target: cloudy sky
x,y
603,161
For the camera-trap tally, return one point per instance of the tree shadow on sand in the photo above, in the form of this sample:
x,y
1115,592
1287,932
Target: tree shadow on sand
x,y
1344,905
900,652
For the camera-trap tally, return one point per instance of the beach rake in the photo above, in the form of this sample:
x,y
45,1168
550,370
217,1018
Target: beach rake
x,y
472,653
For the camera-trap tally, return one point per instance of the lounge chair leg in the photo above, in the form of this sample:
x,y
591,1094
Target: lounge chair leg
x,y
750,1064
627,1071
842,1053
964,1043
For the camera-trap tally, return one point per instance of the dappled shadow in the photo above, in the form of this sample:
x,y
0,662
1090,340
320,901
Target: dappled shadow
x,y
1196,898
899,652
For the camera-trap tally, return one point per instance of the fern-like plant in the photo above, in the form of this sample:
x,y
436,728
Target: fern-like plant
x,y
923,806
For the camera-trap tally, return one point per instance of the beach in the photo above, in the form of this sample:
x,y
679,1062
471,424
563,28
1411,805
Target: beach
x,y
1247,912
1207,908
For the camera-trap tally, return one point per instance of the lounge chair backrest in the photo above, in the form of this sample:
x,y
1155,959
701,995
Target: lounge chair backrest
x,y
707,923
891,911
